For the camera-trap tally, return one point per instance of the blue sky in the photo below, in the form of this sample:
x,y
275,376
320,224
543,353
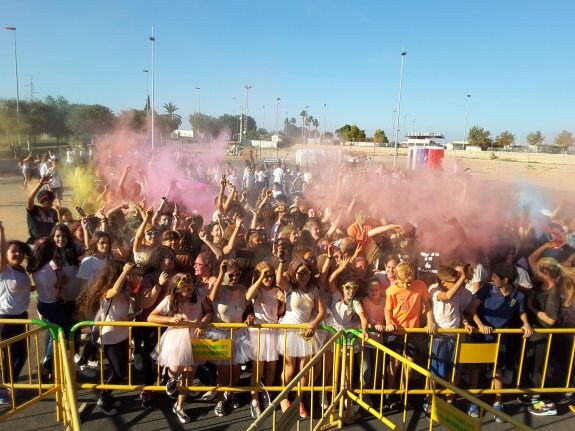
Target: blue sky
x,y
515,58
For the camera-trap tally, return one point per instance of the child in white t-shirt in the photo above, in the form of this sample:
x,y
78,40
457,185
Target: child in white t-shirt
x,y
449,301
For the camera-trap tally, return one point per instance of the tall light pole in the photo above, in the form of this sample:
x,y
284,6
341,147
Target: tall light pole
x,y
234,99
199,112
152,40
246,111
392,130
13,30
466,115
277,114
324,120
403,54
304,119
264,122
147,91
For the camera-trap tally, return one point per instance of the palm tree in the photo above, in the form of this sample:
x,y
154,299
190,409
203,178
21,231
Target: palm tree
x,y
170,109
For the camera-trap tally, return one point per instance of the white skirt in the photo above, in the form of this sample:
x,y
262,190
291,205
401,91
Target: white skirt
x,y
268,344
176,348
241,345
295,345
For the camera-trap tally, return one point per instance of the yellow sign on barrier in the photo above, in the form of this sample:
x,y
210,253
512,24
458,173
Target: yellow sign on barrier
x,y
452,418
212,350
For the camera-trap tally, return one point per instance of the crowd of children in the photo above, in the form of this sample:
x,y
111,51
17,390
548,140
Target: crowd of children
x,y
318,253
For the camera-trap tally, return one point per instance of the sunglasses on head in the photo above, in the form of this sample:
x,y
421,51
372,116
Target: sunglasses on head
x,y
184,280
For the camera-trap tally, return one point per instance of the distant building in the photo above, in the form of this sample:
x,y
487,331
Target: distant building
x,y
426,139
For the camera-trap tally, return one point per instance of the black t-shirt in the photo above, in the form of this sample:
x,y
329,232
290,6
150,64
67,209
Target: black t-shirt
x,y
40,221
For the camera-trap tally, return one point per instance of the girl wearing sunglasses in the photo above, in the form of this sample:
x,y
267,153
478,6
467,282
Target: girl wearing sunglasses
x,y
229,302
268,303
304,305
183,304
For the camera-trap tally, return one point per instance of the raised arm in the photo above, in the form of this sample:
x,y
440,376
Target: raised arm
x,y
536,255
117,287
382,229
450,293
46,178
214,294
218,252
232,242
252,292
140,232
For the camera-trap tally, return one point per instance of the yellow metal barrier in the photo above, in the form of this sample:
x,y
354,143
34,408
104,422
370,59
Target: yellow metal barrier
x,y
133,382
466,352
30,386
291,416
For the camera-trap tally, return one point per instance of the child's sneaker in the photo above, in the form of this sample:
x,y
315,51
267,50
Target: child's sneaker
x,y
172,387
427,407
543,409
303,411
473,411
106,407
220,409
499,407
182,416
138,361
255,409
5,397
232,399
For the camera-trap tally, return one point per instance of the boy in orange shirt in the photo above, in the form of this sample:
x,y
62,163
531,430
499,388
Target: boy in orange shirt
x,y
405,304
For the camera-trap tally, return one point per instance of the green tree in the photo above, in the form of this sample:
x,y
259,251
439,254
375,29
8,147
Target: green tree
x,y
351,133
90,120
59,110
380,137
535,138
479,137
504,139
564,139
176,119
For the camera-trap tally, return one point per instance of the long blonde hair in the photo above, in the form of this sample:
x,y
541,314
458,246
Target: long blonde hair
x,y
404,274
564,278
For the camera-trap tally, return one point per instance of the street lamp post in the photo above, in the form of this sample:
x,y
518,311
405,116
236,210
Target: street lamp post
x,y
403,54
152,40
246,111
13,30
234,99
199,113
277,128
466,115
304,119
324,121
277,114
147,92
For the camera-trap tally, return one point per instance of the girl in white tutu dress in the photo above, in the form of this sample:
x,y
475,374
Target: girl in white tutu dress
x,y
184,303
229,302
303,305
268,303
